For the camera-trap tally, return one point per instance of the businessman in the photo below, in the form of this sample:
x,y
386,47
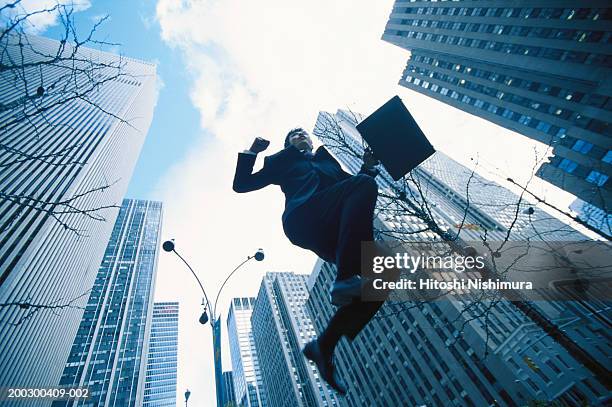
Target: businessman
x,y
329,212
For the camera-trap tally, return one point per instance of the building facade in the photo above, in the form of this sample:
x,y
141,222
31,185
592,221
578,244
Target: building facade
x,y
229,395
457,351
281,328
535,67
160,381
109,352
63,172
592,215
248,385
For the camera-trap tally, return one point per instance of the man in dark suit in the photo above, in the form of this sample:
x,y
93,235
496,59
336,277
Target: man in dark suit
x,y
329,212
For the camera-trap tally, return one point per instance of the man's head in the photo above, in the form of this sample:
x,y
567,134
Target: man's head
x,y
299,138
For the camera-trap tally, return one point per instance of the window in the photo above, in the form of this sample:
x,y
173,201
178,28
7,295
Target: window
x,y
595,36
582,146
532,384
552,53
597,178
608,157
533,123
574,56
596,100
543,126
524,119
567,165
598,126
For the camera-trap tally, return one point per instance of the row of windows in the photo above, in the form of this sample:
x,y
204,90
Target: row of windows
x,y
585,147
501,95
595,100
244,303
512,30
556,54
514,12
163,315
588,123
504,112
571,167
589,149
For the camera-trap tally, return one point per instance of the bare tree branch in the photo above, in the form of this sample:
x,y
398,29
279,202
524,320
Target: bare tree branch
x,y
46,81
33,308
410,198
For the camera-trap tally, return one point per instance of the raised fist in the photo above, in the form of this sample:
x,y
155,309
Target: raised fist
x,y
259,145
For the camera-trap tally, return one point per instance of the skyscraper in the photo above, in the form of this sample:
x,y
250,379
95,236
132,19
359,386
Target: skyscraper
x,y
63,172
160,382
229,395
535,67
109,353
281,328
446,352
248,385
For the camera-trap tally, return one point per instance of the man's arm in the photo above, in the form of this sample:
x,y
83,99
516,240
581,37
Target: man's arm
x,y
372,172
244,178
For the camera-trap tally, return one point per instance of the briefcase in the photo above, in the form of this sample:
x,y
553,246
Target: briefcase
x,y
395,138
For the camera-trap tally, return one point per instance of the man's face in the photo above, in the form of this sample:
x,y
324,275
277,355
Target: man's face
x,y
301,141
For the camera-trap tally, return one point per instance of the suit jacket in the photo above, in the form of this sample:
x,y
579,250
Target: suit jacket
x,y
298,176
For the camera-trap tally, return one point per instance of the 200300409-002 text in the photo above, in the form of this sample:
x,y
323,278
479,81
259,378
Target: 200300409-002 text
x,y
58,393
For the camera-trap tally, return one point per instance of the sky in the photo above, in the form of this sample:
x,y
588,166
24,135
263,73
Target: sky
x,y
233,70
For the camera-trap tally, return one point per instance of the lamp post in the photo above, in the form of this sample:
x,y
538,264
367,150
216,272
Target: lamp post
x,y
187,394
215,321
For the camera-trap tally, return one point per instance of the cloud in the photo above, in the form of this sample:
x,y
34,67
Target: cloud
x,y
257,71
44,12
148,21
98,17
282,62
159,85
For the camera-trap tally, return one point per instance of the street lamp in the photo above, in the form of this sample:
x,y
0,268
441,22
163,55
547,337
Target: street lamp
x,y
215,322
204,317
187,394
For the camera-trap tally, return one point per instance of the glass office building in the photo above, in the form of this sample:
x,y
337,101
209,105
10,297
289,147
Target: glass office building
x,y
539,68
444,353
160,381
248,385
281,327
77,156
229,395
109,352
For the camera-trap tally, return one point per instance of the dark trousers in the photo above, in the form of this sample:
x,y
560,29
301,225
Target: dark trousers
x,y
333,223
